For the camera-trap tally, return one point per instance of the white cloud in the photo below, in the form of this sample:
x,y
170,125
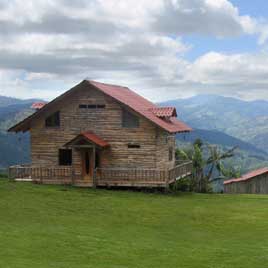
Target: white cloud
x,y
48,44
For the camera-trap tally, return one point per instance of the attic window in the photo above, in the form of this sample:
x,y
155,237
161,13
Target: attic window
x,y
101,106
129,120
133,146
82,106
91,106
53,120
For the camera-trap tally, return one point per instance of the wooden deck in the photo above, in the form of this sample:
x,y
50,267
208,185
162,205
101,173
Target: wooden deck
x,y
108,177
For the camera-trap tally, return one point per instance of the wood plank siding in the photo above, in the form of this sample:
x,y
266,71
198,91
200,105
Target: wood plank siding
x,y
255,185
99,133
106,123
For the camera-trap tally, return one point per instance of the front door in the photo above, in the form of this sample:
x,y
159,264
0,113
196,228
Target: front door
x,y
87,165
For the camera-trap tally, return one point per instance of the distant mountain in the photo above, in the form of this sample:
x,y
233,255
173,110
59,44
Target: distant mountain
x,y
7,101
220,138
14,149
247,121
247,156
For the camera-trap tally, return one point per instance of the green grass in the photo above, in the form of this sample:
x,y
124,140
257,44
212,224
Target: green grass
x,y
56,226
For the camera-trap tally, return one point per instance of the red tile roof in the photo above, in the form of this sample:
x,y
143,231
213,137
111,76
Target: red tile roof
x,y
248,176
141,106
126,97
91,137
95,139
38,105
164,111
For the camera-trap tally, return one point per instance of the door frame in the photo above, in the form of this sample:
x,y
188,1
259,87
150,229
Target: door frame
x,y
91,151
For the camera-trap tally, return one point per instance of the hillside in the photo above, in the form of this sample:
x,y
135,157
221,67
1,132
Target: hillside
x,y
247,156
57,226
14,148
247,121
220,138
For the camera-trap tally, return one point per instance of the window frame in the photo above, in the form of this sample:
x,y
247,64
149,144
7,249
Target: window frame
x,y
126,118
49,124
133,146
92,106
68,161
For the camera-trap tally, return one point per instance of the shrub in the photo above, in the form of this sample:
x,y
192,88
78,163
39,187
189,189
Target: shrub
x,y
183,185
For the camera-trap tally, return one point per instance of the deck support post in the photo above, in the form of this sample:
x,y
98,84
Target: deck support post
x,y
73,175
94,167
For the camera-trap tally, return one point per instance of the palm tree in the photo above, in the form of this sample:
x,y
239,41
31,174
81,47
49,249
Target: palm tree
x,y
201,178
214,161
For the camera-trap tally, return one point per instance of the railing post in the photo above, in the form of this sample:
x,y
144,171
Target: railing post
x,y
167,172
40,173
95,178
73,175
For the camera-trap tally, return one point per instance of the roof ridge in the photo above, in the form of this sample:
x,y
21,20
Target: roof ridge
x,y
123,95
107,84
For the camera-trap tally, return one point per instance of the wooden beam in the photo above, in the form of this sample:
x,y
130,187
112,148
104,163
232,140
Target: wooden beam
x,y
94,167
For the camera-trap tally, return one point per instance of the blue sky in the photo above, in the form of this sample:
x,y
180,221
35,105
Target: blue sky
x,y
164,49
242,44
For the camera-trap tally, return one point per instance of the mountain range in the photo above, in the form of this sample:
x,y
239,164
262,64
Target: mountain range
x,y
244,120
14,148
219,120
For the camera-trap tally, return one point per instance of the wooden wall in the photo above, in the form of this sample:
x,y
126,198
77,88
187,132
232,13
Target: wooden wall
x,y
106,123
257,185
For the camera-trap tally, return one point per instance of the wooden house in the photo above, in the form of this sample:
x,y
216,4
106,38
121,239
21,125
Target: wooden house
x,y
254,182
97,134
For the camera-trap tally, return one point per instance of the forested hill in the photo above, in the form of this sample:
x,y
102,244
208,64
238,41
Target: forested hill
x,y
246,121
14,148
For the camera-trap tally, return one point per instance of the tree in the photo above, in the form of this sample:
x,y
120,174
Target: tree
x,y
204,169
215,159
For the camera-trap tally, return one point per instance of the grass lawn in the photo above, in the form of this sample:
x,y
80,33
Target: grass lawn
x,y
56,226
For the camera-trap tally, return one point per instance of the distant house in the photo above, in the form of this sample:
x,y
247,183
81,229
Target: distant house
x,y
98,134
254,182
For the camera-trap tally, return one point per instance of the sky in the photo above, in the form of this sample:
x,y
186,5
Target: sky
x,y
162,49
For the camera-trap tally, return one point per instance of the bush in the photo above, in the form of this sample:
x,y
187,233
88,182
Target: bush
x,y
2,176
183,185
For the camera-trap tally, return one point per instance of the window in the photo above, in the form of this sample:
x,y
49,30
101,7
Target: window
x,y
92,106
129,120
101,106
82,106
133,146
65,157
170,153
53,120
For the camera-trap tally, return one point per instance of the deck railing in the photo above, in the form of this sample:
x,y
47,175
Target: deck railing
x,y
130,177
103,176
181,170
41,174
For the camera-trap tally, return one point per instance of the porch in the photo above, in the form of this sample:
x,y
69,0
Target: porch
x,y
109,177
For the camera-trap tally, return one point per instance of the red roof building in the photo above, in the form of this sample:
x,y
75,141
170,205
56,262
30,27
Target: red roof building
x,y
38,105
102,134
126,97
254,182
248,176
